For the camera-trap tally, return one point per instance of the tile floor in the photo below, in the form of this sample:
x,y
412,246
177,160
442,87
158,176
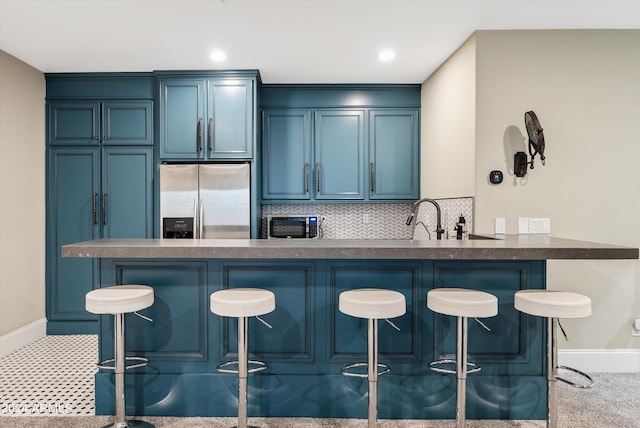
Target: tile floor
x,y
52,376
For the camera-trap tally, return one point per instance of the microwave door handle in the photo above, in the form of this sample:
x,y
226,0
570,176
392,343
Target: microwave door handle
x,y
201,216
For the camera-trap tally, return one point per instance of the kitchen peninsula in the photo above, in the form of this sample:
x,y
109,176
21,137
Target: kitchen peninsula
x,y
311,340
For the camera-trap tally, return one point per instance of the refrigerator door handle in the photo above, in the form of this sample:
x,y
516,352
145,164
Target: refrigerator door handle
x,y
196,220
201,217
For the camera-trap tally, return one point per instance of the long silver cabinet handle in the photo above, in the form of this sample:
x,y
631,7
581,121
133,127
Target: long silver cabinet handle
x,y
94,214
373,177
318,177
104,208
306,177
210,134
199,135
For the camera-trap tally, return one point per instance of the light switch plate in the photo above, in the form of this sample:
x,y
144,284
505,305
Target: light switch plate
x,y
500,226
540,225
523,225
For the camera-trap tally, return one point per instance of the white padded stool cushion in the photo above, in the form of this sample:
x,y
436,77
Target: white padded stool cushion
x,y
119,299
462,302
242,302
374,303
552,304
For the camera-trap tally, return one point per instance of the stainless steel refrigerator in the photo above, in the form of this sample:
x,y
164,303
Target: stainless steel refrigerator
x,y
212,200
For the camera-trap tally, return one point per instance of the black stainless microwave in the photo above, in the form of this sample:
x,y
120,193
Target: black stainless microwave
x,y
292,226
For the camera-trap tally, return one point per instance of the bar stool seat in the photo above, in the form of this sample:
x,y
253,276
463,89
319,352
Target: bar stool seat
x,y
242,303
554,305
118,300
372,304
461,303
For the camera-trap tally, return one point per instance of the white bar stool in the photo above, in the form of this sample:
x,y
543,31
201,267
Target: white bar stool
x,y
554,305
242,303
461,303
117,301
372,304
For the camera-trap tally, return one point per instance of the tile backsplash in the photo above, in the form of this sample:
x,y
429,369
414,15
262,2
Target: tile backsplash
x,y
385,221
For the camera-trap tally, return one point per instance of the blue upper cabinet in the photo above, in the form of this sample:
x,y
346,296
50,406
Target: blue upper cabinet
x,y
339,154
394,139
340,143
313,155
182,115
126,122
74,123
286,154
206,118
230,118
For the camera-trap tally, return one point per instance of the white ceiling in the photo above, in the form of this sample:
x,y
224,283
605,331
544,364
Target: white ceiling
x,y
289,41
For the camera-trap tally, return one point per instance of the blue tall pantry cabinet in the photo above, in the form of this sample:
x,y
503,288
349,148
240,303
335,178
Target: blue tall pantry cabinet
x,y
100,169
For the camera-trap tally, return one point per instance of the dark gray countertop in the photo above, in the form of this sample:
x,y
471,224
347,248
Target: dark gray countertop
x,y
505,247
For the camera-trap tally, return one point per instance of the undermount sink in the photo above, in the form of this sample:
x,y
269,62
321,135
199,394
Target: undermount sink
x,y
480,237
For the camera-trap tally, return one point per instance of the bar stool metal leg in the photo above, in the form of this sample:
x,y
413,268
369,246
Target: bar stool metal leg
x,y
373,372
242,372
461,371
552,382
119,367
119,370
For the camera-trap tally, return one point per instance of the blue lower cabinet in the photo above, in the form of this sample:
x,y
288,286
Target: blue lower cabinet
x,y
348,335
291,340
311,340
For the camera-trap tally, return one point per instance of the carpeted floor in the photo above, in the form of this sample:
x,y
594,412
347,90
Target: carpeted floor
x,y
613,403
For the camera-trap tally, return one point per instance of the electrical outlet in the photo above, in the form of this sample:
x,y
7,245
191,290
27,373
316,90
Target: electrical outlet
x,y
635,327
365,219
540,225
500,226
523,225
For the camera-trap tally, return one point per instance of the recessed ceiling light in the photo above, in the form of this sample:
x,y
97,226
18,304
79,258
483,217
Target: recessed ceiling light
x,y
217,56
386,55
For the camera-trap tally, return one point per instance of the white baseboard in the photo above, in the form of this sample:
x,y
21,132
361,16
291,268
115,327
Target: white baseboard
x,y
601,360
23,336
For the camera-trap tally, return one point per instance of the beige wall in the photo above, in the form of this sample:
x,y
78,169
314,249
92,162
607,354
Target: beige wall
x,y
22,195
584,85
448,127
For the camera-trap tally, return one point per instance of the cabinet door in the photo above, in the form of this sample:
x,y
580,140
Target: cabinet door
x,y
72,193
127,123
349,339
230,119
182,116
394,155
126,201
286,154
74,123
339,154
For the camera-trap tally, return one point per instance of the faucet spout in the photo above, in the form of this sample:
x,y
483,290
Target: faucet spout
x,y
414,210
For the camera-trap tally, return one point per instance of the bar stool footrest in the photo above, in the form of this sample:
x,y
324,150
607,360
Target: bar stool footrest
x,y
258,366
435,366
346,370
588,384
110,363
